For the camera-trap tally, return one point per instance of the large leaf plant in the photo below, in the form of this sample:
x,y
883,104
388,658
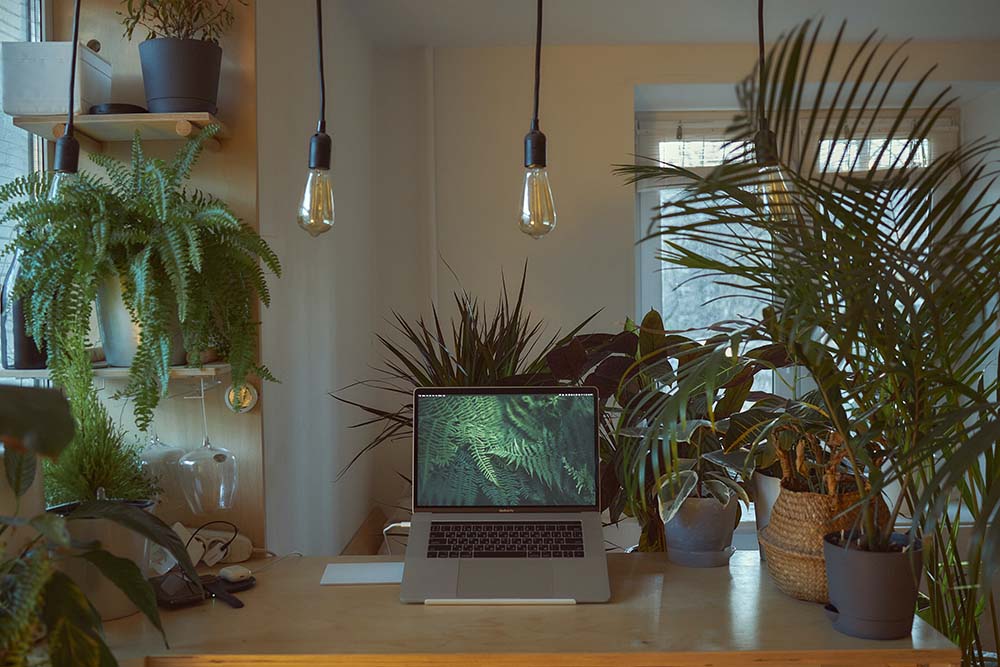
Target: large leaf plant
x,y
184,260
881,277
37,600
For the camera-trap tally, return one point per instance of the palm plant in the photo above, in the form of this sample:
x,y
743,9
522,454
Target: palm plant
x,y
882,279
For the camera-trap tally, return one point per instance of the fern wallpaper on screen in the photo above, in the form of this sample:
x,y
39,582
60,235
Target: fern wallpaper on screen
x,y
506,450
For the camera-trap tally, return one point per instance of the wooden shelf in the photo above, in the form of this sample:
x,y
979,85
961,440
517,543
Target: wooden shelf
x,y
209,371
93,131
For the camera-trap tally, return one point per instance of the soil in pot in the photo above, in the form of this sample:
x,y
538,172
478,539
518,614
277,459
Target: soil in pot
x,y
701,533
873,594
180,74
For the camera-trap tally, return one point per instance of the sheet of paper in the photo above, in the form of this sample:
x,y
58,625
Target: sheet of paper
x,y
362,573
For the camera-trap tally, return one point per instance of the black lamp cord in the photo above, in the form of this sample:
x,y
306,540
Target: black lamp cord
x,y
538,63
761,119
72,68
321,126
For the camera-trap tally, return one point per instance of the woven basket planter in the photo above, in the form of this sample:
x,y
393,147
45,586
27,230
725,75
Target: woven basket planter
x,y
793,540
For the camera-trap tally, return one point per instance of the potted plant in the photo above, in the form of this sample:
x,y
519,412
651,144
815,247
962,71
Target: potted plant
x,y
181,58
40,601
885,304
173,271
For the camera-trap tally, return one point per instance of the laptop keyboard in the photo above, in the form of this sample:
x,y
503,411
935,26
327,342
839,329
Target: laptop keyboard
x,y
505,539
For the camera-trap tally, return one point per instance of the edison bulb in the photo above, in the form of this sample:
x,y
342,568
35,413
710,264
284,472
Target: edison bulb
x,y
776,194
60,179
316,208
538,212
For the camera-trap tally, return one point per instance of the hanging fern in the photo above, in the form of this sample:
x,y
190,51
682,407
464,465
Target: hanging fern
x,y
186,263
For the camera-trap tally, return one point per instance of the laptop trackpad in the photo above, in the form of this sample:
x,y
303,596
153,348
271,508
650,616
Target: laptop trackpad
x,y
506,579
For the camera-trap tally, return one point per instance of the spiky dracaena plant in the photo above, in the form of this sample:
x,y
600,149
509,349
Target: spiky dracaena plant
x,y
184,259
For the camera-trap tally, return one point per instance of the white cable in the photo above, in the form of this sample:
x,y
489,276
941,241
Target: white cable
x,y
268,566
385,533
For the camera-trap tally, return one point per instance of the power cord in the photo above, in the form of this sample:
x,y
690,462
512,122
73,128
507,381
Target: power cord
x,y
268,566
224,549
385,533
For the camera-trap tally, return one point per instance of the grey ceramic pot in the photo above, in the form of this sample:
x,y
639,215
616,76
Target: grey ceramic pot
x,y
701,533
873,595
180,74
119,334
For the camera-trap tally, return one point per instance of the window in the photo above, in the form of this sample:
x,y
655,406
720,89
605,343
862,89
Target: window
x,y
697,141
20,152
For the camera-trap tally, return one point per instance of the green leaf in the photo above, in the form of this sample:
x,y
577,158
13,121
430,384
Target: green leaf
x,y
126,575
74,627
651,335
673,491
141,522
37,420
19,467
52,527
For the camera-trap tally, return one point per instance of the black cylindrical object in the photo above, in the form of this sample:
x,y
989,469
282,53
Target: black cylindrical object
x,y
180,74
18,350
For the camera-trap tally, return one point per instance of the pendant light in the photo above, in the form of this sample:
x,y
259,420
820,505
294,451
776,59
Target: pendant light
x,y
315,214
538,213
776,194
67,153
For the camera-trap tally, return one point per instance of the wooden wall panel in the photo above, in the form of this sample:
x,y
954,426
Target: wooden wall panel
x,y
230,174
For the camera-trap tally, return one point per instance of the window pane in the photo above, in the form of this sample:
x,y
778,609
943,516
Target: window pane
x,y
16,146
697,152
845,155
690,302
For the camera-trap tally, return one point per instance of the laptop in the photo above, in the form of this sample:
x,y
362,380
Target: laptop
x,y
505,497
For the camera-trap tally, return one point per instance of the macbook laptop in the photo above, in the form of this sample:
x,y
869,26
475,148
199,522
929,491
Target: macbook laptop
x,y
505,498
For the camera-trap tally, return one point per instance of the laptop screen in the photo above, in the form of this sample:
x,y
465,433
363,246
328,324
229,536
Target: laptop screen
x,y
505,448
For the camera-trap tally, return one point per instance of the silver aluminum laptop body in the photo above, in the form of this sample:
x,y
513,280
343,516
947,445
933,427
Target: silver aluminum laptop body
x,y
482,484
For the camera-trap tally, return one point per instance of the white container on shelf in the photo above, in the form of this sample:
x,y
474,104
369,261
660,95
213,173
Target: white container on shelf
x,y
36,78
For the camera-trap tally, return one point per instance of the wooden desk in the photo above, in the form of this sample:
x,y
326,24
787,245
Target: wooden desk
x,y
660,615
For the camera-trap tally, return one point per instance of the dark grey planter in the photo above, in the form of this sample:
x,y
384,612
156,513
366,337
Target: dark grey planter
x,y
701,533
873,595
180,74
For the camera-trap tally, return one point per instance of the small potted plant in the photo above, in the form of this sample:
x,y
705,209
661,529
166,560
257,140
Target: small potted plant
x,y
100,463
44,608
181,58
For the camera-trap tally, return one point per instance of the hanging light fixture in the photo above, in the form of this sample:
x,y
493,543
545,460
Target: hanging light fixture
x,y
315,214
538,213
67,153
776,195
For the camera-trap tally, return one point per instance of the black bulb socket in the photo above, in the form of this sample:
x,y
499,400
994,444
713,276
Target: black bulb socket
x,y
320,149
67,156
766,148
534,149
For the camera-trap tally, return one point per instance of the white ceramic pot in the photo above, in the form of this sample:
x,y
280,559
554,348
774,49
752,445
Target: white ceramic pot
x,y
109,601
765,492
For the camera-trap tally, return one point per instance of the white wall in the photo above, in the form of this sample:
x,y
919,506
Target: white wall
x,y
316,335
